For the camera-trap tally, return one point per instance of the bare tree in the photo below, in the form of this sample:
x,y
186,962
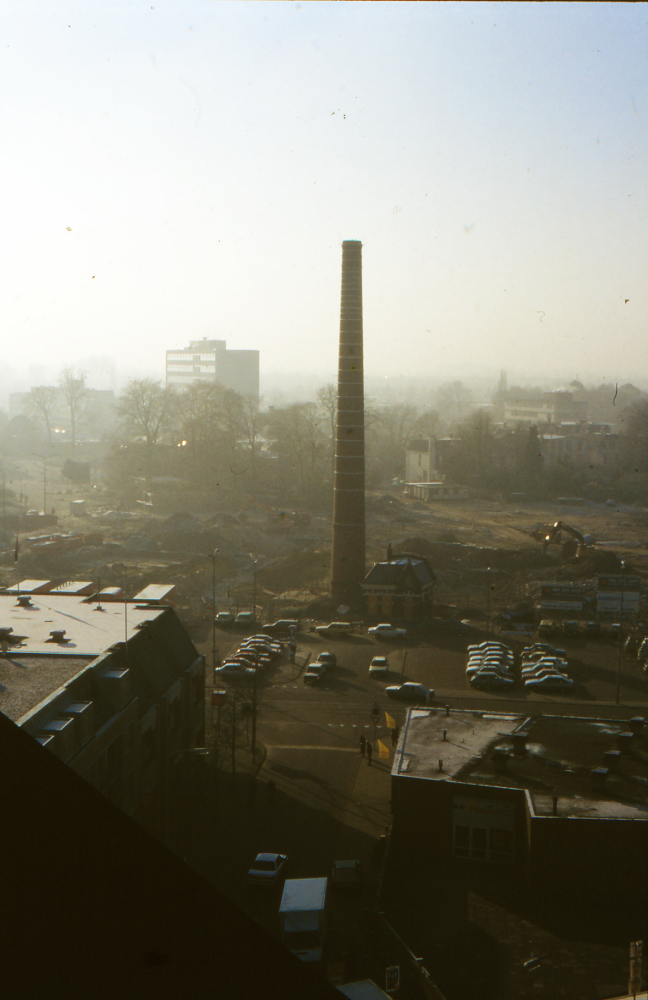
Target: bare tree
x,y
454,400
147,409
41,402
72,383
253,423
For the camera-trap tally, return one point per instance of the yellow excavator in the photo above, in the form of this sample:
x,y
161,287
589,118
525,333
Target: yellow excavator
x,y
575,545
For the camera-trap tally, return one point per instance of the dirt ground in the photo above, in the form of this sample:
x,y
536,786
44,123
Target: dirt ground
x,y
482,551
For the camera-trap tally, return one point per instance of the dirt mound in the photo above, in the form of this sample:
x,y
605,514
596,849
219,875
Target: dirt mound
x,y
296,570
457,555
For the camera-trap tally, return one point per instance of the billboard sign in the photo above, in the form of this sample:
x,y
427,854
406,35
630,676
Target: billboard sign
x,y
617,590
561,597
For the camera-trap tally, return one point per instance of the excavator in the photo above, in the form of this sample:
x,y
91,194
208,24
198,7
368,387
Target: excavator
x,y
552,535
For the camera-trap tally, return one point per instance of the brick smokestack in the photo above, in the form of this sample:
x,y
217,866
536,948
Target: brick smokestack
x,y
348,549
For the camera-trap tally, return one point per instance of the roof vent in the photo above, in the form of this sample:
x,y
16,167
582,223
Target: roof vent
x,y
519,743
58,635
611,758
24,601
636,724
624,740
500,759
5,632
598,777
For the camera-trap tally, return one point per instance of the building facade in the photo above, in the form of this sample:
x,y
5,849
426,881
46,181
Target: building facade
x,y
420,461
401,587
562,800
115,691
210,361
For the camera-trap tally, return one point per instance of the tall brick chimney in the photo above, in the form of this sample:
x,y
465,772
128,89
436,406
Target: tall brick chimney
x,y
348,549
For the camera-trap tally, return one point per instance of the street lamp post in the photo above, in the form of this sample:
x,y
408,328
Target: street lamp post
x,y
618,672
254,590
375,715
488,589
215,553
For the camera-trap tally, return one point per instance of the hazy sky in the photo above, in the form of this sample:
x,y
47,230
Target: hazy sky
x,y
174,170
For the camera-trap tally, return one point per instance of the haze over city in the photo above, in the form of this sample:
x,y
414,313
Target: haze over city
x,y
324,500
180,170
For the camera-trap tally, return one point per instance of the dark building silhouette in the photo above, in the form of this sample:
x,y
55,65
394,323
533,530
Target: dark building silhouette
x,y
96,906
348,548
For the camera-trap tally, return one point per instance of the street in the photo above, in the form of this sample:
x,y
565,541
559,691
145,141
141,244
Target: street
x,y
330,803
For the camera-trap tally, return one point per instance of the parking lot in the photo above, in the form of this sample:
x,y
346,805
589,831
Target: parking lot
x,y
329,802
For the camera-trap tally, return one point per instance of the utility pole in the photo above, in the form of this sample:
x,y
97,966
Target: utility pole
x,y
215,553
254,707
618,673
254,597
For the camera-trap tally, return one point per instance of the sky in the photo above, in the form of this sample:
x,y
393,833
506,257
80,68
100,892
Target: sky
x,y
179,170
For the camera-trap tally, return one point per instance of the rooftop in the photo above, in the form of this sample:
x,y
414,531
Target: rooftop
x,y
25,682
88,630
155,592
556,759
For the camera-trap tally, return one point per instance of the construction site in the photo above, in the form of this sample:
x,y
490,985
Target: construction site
x,y
488,555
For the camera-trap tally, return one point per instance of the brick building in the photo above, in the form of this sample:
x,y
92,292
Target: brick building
x,y
562,800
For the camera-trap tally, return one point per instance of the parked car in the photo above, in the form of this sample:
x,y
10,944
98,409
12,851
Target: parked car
x,y
330,659
314,672
642,652
267,869
379,665
224,618
387,631
544,647
492,679
335,628
410,691
346,874
233,669
592,628
550,682
244,618
547,627
571,627
282,627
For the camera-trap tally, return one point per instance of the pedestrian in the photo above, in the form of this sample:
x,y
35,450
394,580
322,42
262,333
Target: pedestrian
x,y
395,733
270,788
363,745
369,751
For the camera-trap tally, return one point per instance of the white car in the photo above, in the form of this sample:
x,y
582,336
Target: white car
x,y
491,678
267,869
550,682
410,691
334,628
386,631
224,618
379,665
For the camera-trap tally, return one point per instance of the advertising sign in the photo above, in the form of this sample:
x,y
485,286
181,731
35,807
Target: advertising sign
x,y
561,597
609,601
619,582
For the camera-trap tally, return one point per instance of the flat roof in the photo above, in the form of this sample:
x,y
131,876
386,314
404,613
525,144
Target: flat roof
x,y
155,592
561,752
74,587
89,631
26,681
29,587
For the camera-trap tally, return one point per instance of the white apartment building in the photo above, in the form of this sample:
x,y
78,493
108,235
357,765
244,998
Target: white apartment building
x,y
210,361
